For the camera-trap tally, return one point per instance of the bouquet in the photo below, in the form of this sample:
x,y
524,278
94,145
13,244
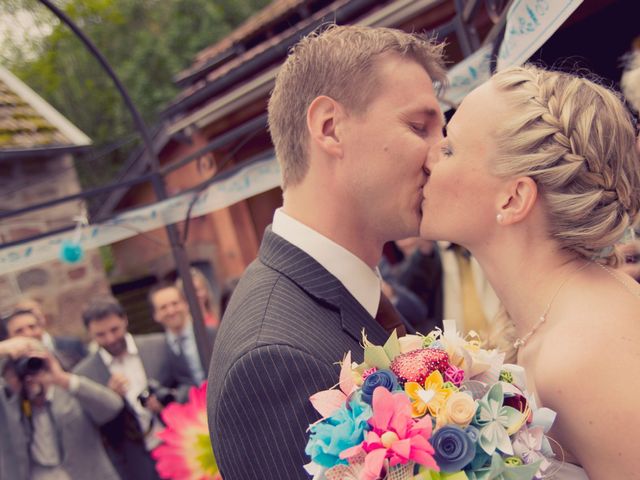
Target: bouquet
x,y
186,452
429,407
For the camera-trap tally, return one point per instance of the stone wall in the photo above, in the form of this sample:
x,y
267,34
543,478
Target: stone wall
x,y
61,288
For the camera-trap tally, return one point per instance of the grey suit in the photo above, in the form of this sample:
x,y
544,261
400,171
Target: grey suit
x,y
76,417
288,323
124,440
181,365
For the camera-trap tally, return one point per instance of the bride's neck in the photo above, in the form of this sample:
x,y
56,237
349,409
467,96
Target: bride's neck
x,y
525,277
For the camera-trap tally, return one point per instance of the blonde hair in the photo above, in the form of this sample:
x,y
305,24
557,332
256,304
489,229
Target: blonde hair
x,y
576,139
340,63
197,275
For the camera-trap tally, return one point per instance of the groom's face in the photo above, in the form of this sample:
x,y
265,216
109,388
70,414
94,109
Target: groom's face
x,y
387,146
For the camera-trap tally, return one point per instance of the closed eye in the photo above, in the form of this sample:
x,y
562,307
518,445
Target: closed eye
x,y
419,128
446,151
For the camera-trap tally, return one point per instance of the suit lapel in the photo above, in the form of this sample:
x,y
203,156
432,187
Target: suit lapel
x,y
316,281
102,373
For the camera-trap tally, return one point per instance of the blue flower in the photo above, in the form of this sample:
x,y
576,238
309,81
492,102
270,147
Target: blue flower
x,y
379,378
344,429
454,448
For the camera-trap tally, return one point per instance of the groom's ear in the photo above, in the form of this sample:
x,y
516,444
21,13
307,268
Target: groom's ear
x,y
323,123
517,199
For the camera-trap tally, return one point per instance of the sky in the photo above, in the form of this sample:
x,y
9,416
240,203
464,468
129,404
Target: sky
x,y
20,27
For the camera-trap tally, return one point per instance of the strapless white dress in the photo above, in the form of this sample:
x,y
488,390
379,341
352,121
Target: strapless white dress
x,y
567,471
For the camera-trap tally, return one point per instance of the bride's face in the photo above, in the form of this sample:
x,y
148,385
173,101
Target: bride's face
x,y
460,198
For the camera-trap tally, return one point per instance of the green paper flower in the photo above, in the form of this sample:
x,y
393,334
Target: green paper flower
x,y
495,421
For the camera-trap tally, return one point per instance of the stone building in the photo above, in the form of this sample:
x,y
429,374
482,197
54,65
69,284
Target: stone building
x,y
37,147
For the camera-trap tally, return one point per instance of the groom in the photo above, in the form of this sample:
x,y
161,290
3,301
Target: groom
x,y
352,116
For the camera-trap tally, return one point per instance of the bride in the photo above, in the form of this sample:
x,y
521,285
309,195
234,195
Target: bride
x,y
538,177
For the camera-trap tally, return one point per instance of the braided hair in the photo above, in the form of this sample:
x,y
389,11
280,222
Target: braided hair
x,y
576,139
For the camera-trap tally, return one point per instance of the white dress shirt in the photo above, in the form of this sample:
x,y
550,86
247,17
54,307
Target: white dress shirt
x,y
130,365
358,278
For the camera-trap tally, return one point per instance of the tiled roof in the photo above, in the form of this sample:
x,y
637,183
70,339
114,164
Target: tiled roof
x,y
262,19
28,122
22,127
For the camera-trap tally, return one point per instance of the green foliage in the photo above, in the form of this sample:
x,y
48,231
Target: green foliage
x,y
146,42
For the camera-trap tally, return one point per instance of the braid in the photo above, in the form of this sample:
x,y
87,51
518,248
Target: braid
x,y
576,140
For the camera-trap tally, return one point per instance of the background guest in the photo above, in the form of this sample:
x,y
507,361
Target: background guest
x,y
68,350
171,311
51,417
205,296
140,370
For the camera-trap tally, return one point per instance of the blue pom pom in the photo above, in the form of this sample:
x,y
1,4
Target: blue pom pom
x,y
71,252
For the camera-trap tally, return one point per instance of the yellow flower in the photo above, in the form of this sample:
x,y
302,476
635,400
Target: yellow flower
x,y
430,398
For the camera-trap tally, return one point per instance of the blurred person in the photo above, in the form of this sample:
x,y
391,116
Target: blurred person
x,y
538,178
172,312
447,276
351,154
68,350
50,418
205,296
139,369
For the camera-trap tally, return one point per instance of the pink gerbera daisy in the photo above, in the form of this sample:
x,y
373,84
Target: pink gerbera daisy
x,y
186,452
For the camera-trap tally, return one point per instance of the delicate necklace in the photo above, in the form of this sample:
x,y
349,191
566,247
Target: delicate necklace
x,y
519,342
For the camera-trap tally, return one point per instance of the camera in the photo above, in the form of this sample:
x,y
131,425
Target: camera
x,y
25,366
163,394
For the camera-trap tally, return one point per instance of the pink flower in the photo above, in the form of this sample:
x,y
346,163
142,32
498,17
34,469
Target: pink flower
x,y
186,452
395,436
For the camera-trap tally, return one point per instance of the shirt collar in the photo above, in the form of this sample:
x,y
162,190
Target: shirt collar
x,y
186,331
356,276
132,349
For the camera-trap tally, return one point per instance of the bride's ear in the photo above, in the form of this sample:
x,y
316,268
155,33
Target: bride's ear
x,y
517,199
324,117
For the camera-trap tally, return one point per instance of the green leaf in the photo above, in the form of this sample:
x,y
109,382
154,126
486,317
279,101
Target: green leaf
x,y
392,346
375,356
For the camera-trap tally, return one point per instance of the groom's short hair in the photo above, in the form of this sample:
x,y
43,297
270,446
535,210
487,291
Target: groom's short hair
x,y
338,62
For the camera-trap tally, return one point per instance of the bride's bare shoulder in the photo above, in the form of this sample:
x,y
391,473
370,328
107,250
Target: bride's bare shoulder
x,y
584,369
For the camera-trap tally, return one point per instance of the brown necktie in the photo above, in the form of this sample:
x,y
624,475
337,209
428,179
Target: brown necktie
x,y
389,318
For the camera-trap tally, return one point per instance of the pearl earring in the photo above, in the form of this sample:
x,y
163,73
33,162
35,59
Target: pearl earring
x,y
499,218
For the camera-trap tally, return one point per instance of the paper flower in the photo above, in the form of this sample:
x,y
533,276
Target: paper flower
x,y
342,430
409,343
495,421
454,375
416,366
379,378
528,445
432,397
454,449
485,427
459,409
186,452
327,402
395,436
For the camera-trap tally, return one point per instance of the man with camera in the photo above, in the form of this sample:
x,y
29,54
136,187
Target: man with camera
x,y
50,418
139,369
32,322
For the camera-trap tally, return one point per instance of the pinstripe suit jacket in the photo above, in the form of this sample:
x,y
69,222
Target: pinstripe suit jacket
x,y
288,323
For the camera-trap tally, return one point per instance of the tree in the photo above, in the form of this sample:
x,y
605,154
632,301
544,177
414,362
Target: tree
x,y
146,42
